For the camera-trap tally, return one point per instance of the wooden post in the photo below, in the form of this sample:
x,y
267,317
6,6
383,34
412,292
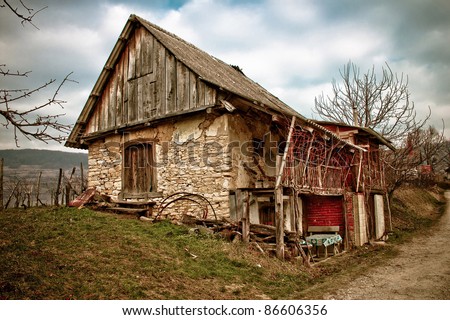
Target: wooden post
x,y
389,211
58,188
359,170
346,230
28,195
67,194
1,184
38,188
82,177
286,148
279,216
245,217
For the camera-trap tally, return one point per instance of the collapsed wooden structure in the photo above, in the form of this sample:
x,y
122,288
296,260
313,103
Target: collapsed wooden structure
x,y
165,118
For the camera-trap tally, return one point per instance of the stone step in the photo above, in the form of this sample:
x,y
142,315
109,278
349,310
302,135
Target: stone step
x,y
141,204
129,210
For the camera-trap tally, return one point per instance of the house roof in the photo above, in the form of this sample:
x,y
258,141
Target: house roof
x,y
369,131
207,67
215,71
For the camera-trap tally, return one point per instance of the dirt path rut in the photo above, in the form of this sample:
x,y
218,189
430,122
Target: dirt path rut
x,y
420,271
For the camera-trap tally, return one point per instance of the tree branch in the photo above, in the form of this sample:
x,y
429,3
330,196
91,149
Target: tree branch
x,y
28,121
9,73
27,17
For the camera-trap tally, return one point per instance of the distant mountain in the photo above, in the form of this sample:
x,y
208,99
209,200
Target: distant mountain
x,y
47,159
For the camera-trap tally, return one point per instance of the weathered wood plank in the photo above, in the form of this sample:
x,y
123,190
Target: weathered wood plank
x,y
153,93
119,93
147,54
112,100
160,78
99,115
131,58
148,104
171,84
210,95
92,124
192,90
140,99
182,86
137,54
161,89
125,86
132,100
318,229
200,92
103,109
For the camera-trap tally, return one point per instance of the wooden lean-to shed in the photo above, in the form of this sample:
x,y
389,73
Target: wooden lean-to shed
x,y
165,118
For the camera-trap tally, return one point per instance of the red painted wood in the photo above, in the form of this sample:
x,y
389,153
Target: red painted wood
x,y
325,211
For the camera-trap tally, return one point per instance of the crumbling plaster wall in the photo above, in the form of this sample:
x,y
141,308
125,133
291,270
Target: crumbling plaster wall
x,y
251,170
191,155
207,154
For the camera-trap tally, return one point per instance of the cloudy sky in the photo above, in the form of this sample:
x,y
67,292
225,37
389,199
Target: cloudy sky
x,y
293,48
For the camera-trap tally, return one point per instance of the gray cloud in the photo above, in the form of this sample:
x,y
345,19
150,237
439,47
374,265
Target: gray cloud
x,y
293,48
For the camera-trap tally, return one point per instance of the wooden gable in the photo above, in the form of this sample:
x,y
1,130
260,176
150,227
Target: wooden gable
x,y
152,74
147,82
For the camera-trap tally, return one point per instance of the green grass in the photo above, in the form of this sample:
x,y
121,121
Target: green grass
x,y
66,253
63,253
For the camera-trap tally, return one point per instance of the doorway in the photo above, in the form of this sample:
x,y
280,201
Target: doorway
x,y
138,172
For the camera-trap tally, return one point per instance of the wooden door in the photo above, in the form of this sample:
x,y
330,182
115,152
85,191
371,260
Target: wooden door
x,y
138,170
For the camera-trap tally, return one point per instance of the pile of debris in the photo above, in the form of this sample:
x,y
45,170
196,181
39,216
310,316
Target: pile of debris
x,y
261,236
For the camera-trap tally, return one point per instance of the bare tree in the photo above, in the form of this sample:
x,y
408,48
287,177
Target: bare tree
x,y
33,122
382,104
431,143
421,147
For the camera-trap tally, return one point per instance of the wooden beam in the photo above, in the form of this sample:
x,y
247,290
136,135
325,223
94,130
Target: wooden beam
x,y
283,161
359,170
279,216
245,217
279,212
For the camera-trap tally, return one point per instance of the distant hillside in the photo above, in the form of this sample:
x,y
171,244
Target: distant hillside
x,y
47,159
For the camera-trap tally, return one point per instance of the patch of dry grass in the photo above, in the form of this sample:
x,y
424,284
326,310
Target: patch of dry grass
x,y
415,209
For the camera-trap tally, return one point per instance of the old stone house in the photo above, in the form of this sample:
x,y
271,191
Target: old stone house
x,y
165,117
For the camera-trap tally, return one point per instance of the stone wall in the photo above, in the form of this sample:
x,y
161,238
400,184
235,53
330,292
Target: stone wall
x,y
191,155
197,160
105,167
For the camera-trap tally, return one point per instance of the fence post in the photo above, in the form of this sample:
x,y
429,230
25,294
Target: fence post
x,y
67,194
82,177
58,188
38,188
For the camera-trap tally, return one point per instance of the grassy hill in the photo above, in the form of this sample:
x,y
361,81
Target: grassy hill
x,y
67,253
46,159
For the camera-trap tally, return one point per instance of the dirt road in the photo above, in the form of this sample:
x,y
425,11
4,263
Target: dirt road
x,y
420,271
